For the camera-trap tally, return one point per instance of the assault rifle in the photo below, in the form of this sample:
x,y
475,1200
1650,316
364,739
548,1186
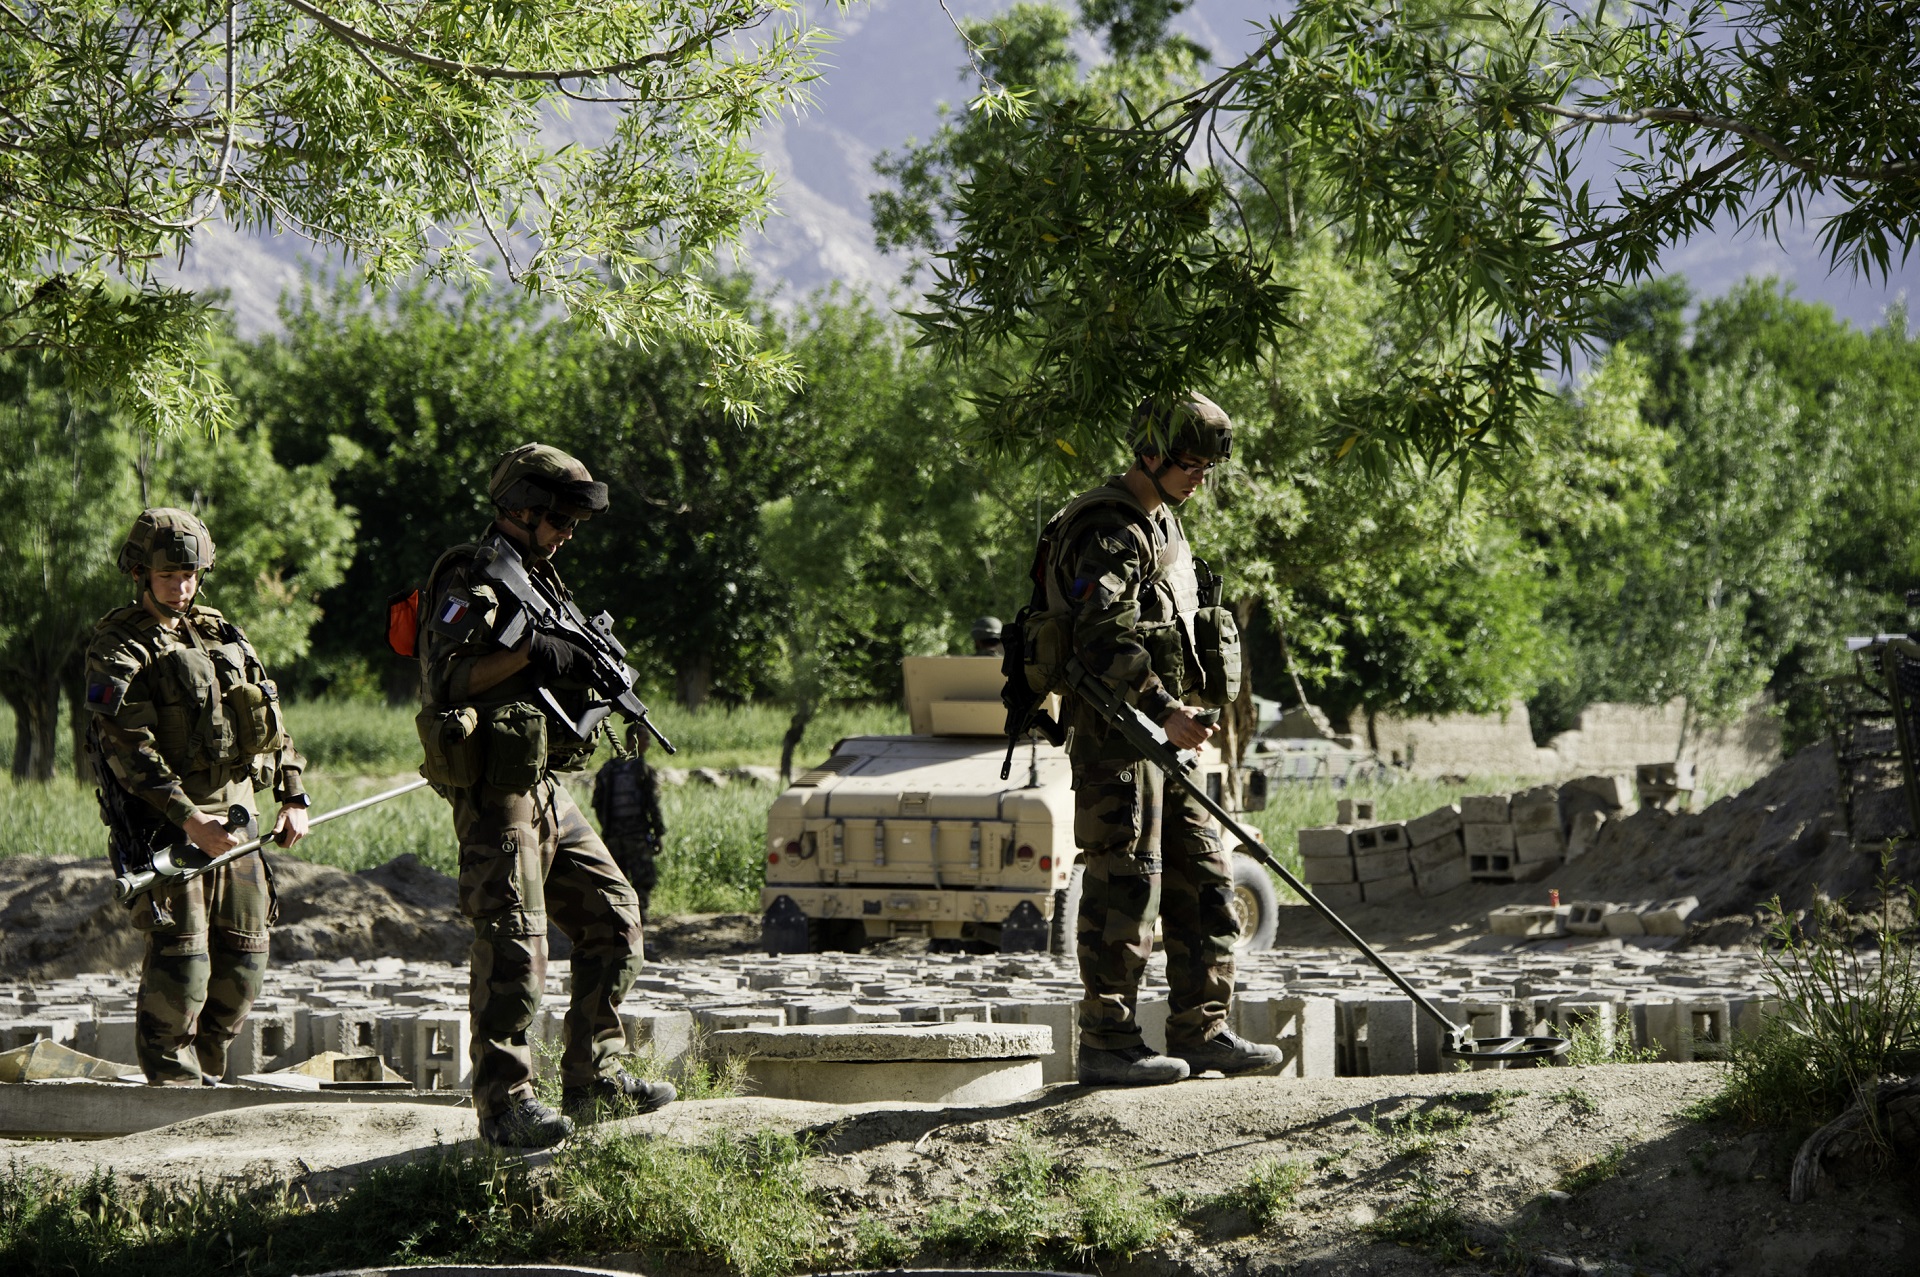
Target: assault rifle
x,y
140,841
163,867
1151,743
532,606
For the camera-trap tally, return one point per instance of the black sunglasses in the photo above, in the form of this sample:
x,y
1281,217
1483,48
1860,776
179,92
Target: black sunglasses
x,y
561,522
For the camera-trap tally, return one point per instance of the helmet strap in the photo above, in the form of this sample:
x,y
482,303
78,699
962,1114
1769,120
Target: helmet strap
x,y
533,548
146,593
1153,477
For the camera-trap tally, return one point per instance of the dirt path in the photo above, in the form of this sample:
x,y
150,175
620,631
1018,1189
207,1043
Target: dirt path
x,y
1548,1169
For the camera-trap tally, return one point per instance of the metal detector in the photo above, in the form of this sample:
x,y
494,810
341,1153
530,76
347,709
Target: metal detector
x,y
1152,742
164,870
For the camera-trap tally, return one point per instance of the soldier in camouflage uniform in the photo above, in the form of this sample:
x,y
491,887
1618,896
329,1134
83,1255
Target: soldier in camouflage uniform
x,y
527,853
1124,573
185,720
626,798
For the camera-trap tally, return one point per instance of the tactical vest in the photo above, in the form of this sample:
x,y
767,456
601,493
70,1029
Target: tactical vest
x,y
216,713
1191,641
627,813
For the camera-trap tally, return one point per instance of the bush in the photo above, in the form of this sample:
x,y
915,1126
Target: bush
x,y
1847,1015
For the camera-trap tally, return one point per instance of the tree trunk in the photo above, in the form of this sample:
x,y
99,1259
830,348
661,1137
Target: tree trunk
x,y
694,681
36,713
796,728
77,724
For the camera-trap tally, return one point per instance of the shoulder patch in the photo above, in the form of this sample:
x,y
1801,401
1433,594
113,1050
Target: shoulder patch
x,y
104,695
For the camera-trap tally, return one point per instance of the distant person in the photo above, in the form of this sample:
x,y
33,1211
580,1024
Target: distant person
x,y
184,721
626,798
1125,576
526,851
986,637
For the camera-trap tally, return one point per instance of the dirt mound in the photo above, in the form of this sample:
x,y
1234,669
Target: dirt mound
x,y
58,916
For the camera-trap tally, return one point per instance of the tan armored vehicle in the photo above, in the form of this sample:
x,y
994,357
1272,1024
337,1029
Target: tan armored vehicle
x,y
918,835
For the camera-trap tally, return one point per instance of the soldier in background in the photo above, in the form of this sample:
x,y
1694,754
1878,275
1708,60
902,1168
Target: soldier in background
x,y
1123,571
526,851
986,637
626,798
185,721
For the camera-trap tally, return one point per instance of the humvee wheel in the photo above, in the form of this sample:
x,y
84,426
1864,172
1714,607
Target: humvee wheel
x,y
1256,903
1066,914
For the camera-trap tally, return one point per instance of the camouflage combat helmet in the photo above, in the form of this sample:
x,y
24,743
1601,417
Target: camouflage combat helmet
x,y
987,630
167,540
1190,423
535,476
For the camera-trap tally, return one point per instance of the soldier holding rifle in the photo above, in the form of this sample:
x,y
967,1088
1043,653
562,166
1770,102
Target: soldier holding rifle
x,y
511,700
184,726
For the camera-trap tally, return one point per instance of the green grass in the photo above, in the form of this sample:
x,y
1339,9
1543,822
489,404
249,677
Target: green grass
x,y
1042,1210
1598,1170
738,1202
1270,1190
1428,1221
1416,1132
1592,1046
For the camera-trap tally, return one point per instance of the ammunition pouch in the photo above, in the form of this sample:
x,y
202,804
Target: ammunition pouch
x,y
516,747
453,745
254,710
1216,649
192,731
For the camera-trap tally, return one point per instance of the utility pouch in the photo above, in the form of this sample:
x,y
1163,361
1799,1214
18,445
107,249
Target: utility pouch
x,y
1216,644
254,709
452,743
516,750
1166,652
1046,643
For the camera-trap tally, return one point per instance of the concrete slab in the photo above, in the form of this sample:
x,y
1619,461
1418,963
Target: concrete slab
x,y
948,1081
94,1109
881,1043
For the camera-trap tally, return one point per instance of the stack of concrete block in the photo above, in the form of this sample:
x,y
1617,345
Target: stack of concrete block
x,y
1539,844
1435,852
1667,786
1587,803
1326,862
1594,918
1486,832
1354,864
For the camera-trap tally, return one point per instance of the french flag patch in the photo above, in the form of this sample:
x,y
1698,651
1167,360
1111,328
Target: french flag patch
x,y
103,696
455,609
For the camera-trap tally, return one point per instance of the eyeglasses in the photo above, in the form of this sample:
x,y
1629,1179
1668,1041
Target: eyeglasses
x,y
1198,467
562,522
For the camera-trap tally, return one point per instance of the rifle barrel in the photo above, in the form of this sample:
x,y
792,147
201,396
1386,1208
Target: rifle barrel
x,y
127,886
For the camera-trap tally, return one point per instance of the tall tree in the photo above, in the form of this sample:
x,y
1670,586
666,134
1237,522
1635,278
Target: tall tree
x,y
1117,246
409,136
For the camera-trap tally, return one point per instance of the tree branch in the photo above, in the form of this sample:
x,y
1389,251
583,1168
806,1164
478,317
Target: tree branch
x,y
1720,123
1639,215
486,71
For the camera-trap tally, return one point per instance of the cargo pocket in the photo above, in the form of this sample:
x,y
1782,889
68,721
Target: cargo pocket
x,y
516,747
254,709
1216,642
192,733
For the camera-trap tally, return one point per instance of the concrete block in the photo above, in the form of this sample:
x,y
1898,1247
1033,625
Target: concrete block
x,y
1536,818
928,1064
1492,866
1529,921
1151,1014
1389,1039
1670,917
1441,877
1353,811
1305,1029
1319,869
35,1029
1379,838
1338,894
1482,839
263,1044
113,1039
1533,848
1369,866
348,1030
1595,1016
1433,826
1325,840
1584,833
1687,1029
720,1019
1382,889
1446,848
1589,917
1754,1015
666,1035
1062,1019
440,1054
397,1038
1625,921
1485,809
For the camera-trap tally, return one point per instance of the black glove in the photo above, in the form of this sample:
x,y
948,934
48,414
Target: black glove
x,y
559,658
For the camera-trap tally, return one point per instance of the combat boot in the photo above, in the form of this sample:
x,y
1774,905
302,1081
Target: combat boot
x,y
1228,1053
525,1123
621,1095
1136,1065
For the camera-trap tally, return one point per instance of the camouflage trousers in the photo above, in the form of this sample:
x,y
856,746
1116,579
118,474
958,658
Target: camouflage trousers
x,y
525,857
202,970
1149,851
636,857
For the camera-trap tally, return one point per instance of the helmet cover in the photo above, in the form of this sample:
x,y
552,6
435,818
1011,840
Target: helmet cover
x,y
165,539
